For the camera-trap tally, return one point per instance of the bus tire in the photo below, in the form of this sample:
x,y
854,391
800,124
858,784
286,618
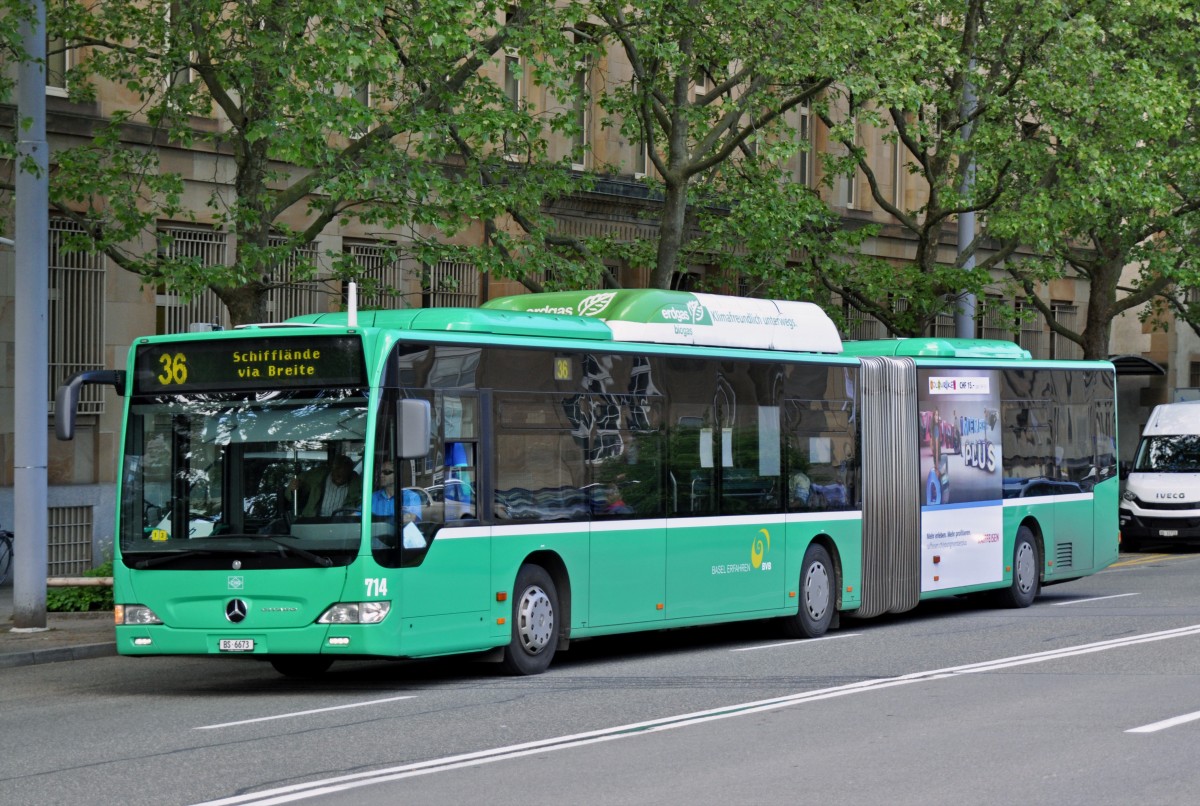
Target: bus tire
x,y
535,616
301,666
818,599
1025,577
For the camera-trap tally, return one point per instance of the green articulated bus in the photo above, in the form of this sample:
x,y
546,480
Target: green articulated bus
x,y
550,467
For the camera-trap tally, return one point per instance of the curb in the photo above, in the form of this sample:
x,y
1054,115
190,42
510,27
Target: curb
x,y
34,657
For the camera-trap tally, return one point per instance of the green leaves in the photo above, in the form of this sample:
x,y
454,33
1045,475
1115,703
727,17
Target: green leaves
x,y
276,119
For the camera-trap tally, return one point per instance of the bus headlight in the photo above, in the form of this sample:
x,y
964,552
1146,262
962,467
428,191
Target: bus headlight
x,y
356,613
134,614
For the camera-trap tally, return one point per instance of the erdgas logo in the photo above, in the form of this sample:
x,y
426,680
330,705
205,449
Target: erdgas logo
x,y
692,314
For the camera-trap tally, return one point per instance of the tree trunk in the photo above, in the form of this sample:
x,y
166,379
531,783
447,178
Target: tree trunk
x,y
671,234
247,305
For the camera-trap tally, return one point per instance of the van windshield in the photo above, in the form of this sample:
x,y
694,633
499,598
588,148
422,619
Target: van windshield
x,y
1177,453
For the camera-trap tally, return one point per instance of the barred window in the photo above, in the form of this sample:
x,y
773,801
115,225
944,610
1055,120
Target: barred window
x,y
451,284
1062,348
69,540
296,298
76,320
174,314
383,270
1033,334
944,326
995,319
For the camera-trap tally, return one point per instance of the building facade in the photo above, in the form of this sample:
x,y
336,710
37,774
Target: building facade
x,y
98,309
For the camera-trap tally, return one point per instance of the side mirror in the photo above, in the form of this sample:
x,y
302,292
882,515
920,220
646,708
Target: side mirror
x,y
1123,470
414,428
67,399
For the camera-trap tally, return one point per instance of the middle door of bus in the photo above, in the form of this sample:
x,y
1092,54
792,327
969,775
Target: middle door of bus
x,y
725,537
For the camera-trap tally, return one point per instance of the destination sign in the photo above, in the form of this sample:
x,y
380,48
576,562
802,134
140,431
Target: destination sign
x,y
259,363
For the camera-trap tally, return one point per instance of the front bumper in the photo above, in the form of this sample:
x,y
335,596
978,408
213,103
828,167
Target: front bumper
x,y
1144,525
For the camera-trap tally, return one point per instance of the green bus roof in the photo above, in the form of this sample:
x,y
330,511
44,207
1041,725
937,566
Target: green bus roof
x,y
682,317
472,320
939,348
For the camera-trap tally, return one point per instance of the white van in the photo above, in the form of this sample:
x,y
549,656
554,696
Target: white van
x,y
1161,495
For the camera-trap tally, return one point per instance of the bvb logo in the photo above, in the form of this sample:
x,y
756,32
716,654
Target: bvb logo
x,y
759,548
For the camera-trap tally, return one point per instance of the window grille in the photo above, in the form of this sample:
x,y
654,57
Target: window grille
x,y
944,326
995,319
174,314
69,545
1060,347
862,326
451,284
380,263
1033,335
290,298
76,315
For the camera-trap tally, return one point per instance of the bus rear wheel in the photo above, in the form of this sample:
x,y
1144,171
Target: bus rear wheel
x,y
1025,579
534,622
818,599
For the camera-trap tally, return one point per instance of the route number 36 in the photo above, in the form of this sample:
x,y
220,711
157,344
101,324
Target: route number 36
x,y
174,369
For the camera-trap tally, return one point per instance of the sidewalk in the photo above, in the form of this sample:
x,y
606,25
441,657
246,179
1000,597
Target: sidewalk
x,y
69,636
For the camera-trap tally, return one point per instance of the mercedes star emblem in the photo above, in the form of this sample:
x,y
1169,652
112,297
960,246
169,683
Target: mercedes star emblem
x,y
236,610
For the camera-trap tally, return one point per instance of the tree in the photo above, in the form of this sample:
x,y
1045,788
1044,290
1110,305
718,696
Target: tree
x,y
379,112
949,97
1113,177
12,54
713,97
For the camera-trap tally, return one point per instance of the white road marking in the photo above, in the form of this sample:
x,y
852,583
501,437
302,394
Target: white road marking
x,y
1166,723
304,713
794,643
295,792
1094,599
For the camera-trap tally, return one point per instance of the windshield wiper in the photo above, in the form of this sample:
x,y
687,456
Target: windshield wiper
x,y
163,559
315,559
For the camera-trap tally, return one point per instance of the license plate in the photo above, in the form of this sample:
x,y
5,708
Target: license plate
x,y
236,645
1168,533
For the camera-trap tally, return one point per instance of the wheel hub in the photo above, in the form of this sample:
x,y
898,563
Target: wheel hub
x,y
816,591
535,620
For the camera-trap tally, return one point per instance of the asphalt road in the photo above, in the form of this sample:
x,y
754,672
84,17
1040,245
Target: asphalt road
x,y
1089,697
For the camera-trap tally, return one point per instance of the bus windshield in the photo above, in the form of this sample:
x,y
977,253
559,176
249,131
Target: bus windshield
x,y
269,478
1178,453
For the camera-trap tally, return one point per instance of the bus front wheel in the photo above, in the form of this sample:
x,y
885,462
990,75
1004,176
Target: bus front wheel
x,y
1026,564
818,597
534,622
